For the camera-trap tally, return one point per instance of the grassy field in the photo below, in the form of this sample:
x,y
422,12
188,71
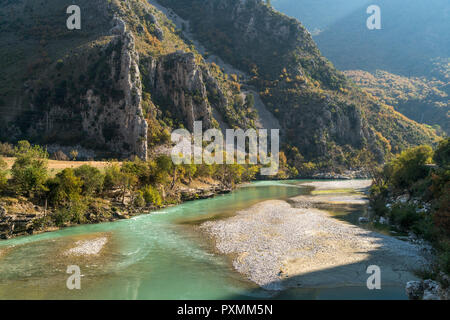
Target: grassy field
x,y
55,166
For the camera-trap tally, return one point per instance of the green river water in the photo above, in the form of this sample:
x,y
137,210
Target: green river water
x,y
157,256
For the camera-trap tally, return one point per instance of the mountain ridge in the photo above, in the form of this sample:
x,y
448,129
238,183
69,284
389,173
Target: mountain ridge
x,y
324,118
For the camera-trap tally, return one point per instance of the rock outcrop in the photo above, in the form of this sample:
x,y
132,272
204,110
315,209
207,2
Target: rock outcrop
x,y
89,92
320,112
426,290
122,127
177,80
16,224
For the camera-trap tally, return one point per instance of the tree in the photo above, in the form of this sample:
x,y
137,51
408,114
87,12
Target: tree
x,y
162,169
139,168
29,171
410,166
65,188
115,178
127,182
3,174
189,170
74,155
442,154
91,178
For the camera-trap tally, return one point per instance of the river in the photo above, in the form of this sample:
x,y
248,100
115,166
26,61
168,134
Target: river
x,y
161,255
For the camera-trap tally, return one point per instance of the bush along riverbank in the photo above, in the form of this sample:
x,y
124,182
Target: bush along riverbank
x,y
411,195
34,199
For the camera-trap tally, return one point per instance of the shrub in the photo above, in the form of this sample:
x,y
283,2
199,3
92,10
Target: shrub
x,y
61,217
152,196
444,259
75,212
442,214
139,200
404,215
43,223
409,166
138,168
6,150
378,195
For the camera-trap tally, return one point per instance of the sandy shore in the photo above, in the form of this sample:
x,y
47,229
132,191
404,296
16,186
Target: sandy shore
x,y
278,245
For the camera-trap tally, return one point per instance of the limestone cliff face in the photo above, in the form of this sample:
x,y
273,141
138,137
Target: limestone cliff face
x,y
121,126
179,82
102,109
288,69
320,112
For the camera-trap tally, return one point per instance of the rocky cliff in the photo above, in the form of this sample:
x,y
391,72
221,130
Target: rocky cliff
x,y
90,89
121,127
133,73
321,113
177,80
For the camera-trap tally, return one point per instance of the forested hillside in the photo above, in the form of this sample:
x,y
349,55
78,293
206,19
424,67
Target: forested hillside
x,y
412,43
130,76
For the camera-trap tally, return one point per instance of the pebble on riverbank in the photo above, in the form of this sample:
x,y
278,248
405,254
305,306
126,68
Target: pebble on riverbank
x,y
426,290
278,246
87,247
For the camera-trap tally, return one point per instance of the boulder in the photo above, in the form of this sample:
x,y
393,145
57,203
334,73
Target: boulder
x,y
414,290
383,220
432,290
119,26
402,199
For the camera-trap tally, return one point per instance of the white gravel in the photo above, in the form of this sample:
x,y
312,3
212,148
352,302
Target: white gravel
x,y
87,247
339,184
277,246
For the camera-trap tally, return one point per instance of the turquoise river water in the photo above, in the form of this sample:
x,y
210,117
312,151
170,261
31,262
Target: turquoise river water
x,y
156,256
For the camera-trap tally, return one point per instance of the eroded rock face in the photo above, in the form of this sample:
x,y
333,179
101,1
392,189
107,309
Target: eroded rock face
x,y
121,126
15,224
98,105
263,41
178,80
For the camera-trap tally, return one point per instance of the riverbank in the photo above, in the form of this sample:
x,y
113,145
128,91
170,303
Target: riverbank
x,y
283,244
19,216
